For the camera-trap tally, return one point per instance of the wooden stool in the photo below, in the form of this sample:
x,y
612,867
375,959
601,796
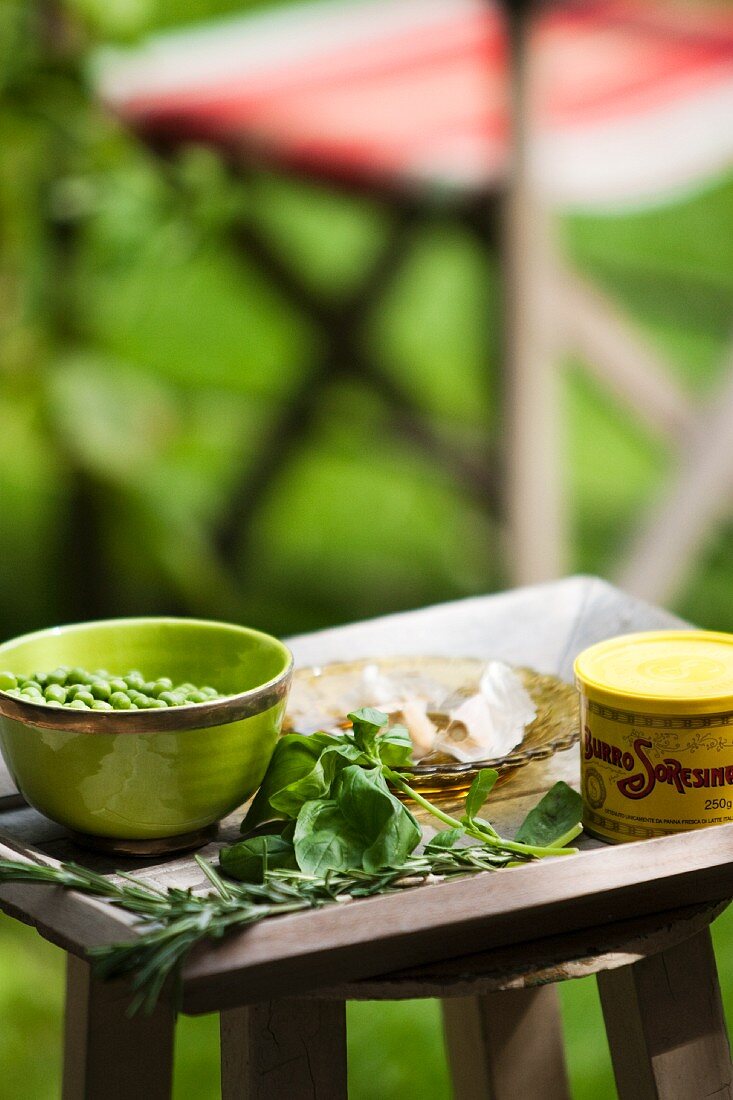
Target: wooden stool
x,y
637,915
657,981
661,1004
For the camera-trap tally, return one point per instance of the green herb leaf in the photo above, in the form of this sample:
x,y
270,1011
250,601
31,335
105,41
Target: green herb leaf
x,y
389,830
446,838
553,818
325,840
294,757
367,723
315,784
479,791
394,747
249,860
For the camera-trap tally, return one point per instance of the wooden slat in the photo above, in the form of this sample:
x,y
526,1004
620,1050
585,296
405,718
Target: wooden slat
x,y
108,1054
699,497
532,337
623,360
502,1046
284,1050
290,955
69,919
538,962
665,1025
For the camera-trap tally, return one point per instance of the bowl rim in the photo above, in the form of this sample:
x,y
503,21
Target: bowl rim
x,y
217,712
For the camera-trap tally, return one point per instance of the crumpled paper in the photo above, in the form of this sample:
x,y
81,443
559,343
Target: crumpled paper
x,y
486,724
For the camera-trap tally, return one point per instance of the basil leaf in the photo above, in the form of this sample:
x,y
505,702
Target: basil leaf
x,y
314,785
552,818
324,840
367,723
247,860
446,838
479,791
394,747
350,751
389,831
294,757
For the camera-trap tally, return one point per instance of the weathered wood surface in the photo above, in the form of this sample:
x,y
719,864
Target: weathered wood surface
x,y
284,1050
107,1054
292,954
502,1046
544,627
541,961
665,1025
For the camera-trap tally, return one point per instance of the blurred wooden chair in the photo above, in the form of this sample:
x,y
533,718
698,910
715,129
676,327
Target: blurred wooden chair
x,y
615,103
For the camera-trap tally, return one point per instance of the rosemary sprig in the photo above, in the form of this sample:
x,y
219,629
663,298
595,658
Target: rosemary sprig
x,y
170,923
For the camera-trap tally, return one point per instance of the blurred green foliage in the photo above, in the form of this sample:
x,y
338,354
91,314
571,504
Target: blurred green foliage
x,y
143,362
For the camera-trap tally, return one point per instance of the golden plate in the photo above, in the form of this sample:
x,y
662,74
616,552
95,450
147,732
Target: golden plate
x,y
321,697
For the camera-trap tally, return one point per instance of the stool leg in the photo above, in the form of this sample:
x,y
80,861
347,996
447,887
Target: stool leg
x,y
107,1055
665,1025
506,1045
284,1050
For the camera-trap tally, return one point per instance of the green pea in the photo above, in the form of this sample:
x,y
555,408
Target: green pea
x,y
73,690
58,676
161,685
77,704
197,697
101,674
7,681
149,703
84,697
171,698
15,692
137,697
100,689
41,679
28,682
117,684
33,694
55,694
184,689
120,701
147,687
134,680
102,704
53,703
79,676
209,692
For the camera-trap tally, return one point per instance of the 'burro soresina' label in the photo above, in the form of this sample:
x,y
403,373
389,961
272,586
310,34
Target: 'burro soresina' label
x,y
646,775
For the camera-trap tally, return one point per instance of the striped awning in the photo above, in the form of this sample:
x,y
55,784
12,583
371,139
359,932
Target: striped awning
x,y
634,97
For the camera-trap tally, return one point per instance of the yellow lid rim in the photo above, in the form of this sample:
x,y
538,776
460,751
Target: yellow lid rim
x,y
653,702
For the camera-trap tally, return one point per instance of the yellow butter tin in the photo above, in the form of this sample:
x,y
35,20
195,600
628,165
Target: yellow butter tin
x,y
656,712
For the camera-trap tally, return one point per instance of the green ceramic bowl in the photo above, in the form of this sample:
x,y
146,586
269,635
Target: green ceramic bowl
x,y
147,781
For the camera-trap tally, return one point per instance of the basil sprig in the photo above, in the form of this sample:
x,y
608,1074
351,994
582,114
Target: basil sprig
x,y
327,804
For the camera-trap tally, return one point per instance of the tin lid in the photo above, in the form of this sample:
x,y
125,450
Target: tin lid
x,y
674,671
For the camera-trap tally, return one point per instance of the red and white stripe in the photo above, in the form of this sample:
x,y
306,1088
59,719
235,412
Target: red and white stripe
x,y
635,98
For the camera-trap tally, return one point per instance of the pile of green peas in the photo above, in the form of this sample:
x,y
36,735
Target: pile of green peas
x,y
81,690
